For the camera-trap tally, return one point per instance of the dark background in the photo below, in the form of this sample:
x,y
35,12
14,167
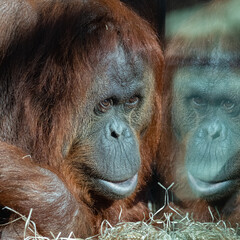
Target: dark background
x,y
162,13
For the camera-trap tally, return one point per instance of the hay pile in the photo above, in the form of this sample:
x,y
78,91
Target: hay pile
x,y
184,230
163,229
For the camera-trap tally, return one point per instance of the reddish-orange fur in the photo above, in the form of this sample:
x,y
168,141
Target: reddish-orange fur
x,y
38,115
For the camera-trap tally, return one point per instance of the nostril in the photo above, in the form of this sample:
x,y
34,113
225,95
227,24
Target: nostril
x,y
215,135
215,129
114,134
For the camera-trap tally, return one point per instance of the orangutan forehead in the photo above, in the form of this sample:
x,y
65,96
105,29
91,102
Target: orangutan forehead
x,y
203,56
122,80
220,61
123,68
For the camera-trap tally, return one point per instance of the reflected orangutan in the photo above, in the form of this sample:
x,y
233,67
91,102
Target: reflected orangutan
x,y
200,146
80,111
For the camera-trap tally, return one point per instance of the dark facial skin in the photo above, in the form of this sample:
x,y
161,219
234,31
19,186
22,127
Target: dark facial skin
x,y
206,108
120,105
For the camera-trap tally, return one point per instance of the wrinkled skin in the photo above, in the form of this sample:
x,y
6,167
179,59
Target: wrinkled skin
x,y
121,103
206,118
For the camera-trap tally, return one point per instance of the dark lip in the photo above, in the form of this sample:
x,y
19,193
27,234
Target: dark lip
x,y
210,189
119,189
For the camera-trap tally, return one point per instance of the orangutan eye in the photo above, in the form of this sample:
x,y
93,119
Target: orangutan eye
x,y
105,105
199,101
228,105
132,102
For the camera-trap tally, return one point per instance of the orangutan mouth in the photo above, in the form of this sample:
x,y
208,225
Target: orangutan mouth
x,y
120,188
209,189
